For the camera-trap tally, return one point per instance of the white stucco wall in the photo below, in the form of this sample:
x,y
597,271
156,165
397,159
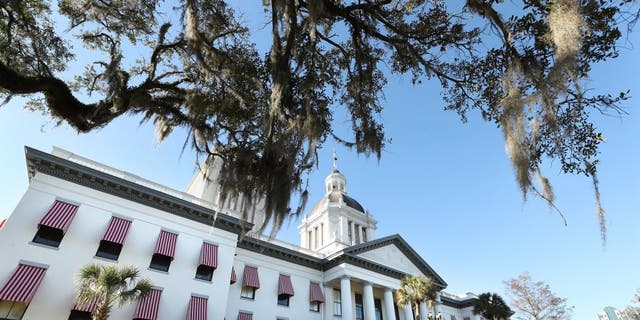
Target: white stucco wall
x,y
265,305
54,298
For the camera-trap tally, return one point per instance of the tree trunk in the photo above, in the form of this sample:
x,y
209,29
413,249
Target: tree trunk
x,y
102,312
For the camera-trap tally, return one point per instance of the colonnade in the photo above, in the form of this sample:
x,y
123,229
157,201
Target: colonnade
x,y
368,302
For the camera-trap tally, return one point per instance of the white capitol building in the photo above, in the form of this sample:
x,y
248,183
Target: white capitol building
x,y
77,211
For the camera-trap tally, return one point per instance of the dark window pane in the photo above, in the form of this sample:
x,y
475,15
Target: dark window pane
x,y
109,250
160,262
79,315
378,307
359,308
48,236
283,300
204,273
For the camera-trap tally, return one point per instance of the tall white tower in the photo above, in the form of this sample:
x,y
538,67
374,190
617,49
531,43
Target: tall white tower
x,y
207,188
337,220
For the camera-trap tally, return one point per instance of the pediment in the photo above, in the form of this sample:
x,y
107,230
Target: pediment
x,y
393,252
392,257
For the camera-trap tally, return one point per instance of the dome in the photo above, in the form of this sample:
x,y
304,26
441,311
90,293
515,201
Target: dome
x,y
348,201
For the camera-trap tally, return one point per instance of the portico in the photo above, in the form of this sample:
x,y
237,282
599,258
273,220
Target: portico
x,y
366,300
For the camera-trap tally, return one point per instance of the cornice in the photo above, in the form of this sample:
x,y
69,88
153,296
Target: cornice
x,y
275,251
38,161
457,303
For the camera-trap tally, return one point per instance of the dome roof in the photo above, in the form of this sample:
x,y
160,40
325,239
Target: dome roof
x,y
350,202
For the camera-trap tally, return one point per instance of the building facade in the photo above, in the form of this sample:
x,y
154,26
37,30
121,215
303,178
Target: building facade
x,y
195,251
611,313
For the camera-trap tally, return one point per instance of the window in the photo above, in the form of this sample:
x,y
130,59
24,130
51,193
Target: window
x,y
315,243
364,234
160,262
204,272
359,308
337,303
48,236
10,310
109,250
248,293
283,300
80,315
378,309
350,231
314,306
357,231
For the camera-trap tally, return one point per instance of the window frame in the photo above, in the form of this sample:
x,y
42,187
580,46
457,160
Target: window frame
x,y
46,239
284,300
12,304
109,255
314,306
202,276
153,265
244,293
337,303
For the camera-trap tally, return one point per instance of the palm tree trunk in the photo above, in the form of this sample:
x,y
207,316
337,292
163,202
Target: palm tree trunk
x,y
102,311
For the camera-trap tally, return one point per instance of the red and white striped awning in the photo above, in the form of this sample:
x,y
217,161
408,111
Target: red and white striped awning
x,y
59,216
250,277
166,244
209,255
197,308
315,293
148,307
284,285
2,223
245,316
23,284
90,307
117,230
234,278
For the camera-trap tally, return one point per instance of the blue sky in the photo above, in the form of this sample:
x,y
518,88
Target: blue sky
x,y
445,186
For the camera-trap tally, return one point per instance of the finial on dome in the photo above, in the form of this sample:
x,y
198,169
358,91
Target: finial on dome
x,y
335,160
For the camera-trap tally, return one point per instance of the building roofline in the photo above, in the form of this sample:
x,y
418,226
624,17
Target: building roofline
x,y
39,161
458,304
46,163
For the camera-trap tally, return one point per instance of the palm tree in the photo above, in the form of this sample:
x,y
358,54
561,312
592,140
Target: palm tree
x,y
108,286
492,307
416,289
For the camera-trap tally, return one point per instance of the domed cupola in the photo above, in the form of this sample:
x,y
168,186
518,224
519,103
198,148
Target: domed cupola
x,y
335,181
337,220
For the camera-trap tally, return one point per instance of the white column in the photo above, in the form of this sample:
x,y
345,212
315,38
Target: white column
x,y
408,314
368,304
360,240
345,294
328,301
423,310
388,304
